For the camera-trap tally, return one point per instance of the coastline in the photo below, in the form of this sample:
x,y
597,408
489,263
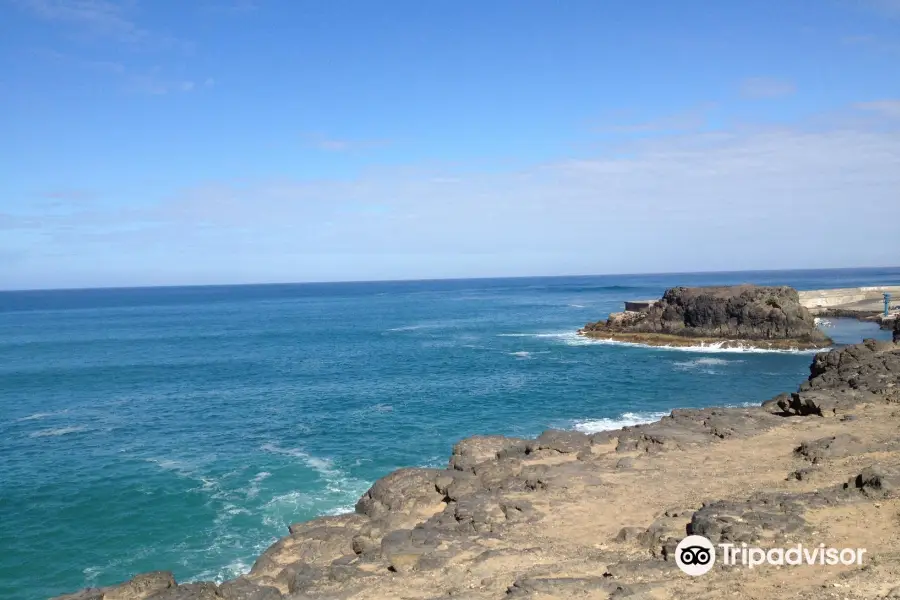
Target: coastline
x,y
663,340
554,517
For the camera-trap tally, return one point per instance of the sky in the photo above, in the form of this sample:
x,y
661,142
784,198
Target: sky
x,y
165,142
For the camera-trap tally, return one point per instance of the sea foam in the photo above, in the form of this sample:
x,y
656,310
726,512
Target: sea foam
x,y
705,364
42,415
626,419
58,431
323,466
571,338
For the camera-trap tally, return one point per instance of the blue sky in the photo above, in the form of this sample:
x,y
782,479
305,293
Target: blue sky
x,y
217,141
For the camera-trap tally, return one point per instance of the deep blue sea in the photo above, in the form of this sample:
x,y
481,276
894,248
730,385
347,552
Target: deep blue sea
x,y
185,428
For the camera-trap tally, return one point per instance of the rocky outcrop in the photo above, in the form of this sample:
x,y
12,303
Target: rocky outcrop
x,y
570,514
748,314
897,330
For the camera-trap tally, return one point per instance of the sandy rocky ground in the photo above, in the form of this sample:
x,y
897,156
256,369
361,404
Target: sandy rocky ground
x,y
570,515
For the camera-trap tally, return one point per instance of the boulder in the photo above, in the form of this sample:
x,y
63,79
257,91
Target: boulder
x,y
244,589
822,403
138,587
411,494
564,442
480,448
876,481
835,446
188,591
85,594
300,576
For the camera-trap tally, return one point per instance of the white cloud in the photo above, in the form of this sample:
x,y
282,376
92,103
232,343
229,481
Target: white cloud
x,y
156,81
873,42
107,19
762,198
329,144
886,108
766,87
230,7
100,16
889,8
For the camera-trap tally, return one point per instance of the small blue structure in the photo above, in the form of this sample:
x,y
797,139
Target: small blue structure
x,y
887,303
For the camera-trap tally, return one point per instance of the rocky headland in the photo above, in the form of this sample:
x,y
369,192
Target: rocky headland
x,y
743,315
572,515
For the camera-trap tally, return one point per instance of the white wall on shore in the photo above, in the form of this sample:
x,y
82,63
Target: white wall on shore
x,y
837,297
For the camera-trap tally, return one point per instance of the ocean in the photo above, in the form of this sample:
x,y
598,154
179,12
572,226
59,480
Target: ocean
x,y
185,428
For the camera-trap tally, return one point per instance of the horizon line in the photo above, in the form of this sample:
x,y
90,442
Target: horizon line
x,y
425,280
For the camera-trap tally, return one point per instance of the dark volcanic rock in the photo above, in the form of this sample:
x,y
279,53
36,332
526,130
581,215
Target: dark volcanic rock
x,y
762,516
480,448
876,481
686,427
566,587
872,366
744,312
85,594
410,492
821,403
564,442
189,591
836,446
805,474
242,589
140,586
897,330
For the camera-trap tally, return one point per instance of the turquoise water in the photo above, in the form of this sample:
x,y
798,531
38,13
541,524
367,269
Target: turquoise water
x,y
185,428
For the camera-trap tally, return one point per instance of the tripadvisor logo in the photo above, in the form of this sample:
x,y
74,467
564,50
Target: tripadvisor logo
x,y
696,555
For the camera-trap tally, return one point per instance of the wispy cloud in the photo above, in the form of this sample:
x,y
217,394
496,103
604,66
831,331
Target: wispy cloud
x,y
156,84
329,144
101,17
889,8
68,195
707,198
872,42
105,19
154,80
230,7
688,120
886,108
766,87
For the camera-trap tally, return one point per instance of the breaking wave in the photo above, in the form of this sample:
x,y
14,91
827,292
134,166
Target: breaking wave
x,y
58,431
705,365
571,338
626,419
